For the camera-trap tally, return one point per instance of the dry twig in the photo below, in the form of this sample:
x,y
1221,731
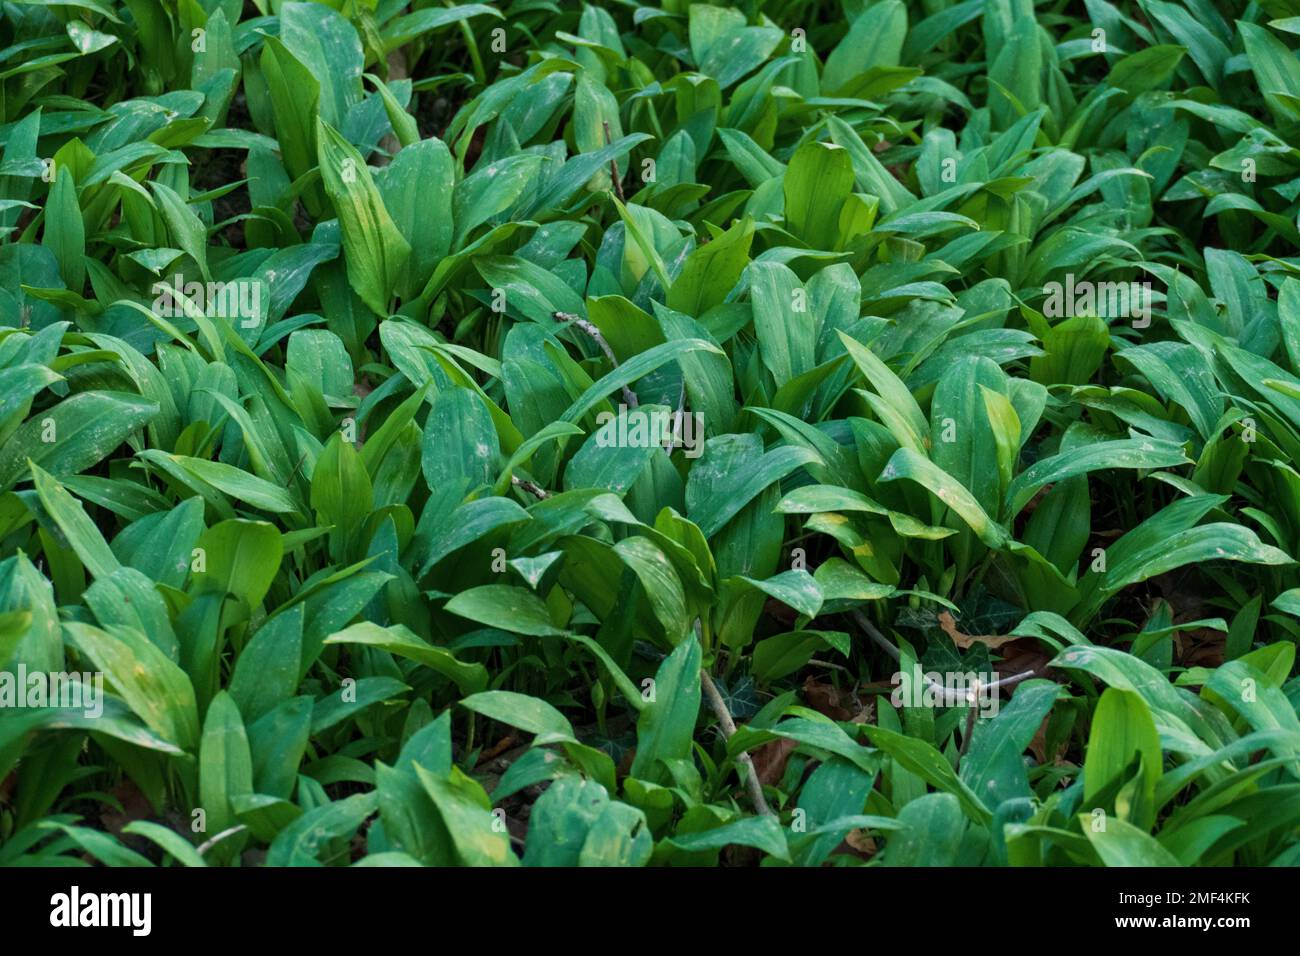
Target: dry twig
x,y
629,396
719,707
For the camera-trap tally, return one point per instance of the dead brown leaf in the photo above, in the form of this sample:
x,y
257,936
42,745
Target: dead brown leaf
x,y
779,612
135,806
498,748
828,699
1023,656
1202,647
964,641
1038,746
770,760
863,844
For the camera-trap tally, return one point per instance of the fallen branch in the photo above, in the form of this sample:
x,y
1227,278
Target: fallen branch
x,y
829,665
629,396
209,844
719,707
531,487
884,643
971,711
950,697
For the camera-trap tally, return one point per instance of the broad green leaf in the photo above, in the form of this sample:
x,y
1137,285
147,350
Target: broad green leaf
x,y
74,435
373,247
665,727
399,640
506,607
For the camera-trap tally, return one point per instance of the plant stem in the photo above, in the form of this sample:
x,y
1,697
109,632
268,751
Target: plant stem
x,y
613,167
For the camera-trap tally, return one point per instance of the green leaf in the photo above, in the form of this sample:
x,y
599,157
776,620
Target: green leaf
x,y
506,607
461,448
817,182
168,840
630,371
225,769
1122,726
712,270
665,727
373,247
906,463
783,320
900,412
466,813
341,494
238,484
153,686
266,671
75,434
782,654
240,558
874,39
762,833
303,841
400,640
730,484
1123,844
527,713
1138,453
294,95
918,757
81,534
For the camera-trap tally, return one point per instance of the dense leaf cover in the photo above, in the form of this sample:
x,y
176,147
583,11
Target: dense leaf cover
x,y
797,433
